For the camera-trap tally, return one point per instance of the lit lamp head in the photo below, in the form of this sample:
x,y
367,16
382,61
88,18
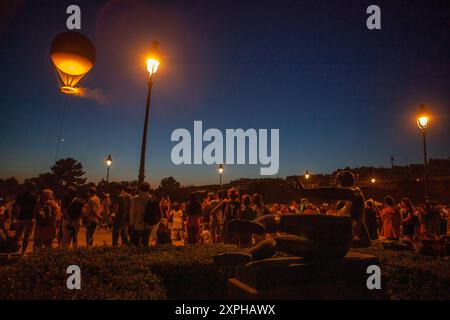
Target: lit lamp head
x,y
73,56
220,168
423,119
307,175
153,59
372,180
109,160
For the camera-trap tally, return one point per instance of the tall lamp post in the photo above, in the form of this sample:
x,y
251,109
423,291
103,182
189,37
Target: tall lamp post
x,y
108,163
220,174
152,67
423,120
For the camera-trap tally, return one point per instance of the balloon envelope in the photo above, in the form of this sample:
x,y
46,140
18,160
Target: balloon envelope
x,y
73,55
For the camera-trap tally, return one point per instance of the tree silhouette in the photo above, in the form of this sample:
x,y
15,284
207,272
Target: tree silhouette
x,y
68,172
169,183
43,181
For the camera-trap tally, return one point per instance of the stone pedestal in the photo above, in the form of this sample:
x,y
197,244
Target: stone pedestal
x,y
298,278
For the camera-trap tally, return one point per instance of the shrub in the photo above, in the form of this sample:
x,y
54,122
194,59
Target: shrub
x,y
407,275
118,273
105,274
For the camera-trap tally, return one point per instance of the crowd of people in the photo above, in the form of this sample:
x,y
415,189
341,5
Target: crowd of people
x,y
136,217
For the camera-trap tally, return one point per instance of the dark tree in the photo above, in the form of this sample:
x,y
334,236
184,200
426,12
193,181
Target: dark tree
x,y
68,172
9,187
44,180
168,187
169,183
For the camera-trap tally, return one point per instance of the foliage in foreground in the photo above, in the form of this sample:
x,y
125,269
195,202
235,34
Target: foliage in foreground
x,y
166,272
407,275
118,273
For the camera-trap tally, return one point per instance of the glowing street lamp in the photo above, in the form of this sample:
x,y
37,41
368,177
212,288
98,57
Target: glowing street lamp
x,y
108,163
220,169
423,121
306,174
152,61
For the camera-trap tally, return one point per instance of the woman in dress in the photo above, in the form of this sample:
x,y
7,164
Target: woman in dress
x,y
391,220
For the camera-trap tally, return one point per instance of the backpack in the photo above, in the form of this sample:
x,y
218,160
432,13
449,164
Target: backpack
x,y
152,213
75,209
45,216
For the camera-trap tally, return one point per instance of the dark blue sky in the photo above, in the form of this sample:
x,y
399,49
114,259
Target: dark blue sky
x,y
340,94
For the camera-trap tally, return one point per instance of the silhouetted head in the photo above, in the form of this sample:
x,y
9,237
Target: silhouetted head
x,y
346,179
118,188
258,200
389,200
233,194
246,200
92,191
47,194
407,204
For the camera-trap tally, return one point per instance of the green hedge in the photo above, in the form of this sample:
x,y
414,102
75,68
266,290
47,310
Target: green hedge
x,y
166,272
407,275
162,272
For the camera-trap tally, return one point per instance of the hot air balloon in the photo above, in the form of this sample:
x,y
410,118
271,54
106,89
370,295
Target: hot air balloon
x,y
73,55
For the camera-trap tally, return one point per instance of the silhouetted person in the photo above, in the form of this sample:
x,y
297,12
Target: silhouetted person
x,y
72,210
194,213
92,216
122,209
140,229
25,207
392,219
47,212
353,199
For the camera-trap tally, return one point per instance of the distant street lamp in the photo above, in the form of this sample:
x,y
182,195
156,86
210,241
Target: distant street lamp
x,y
108,163
307,175
152,66
220,173
423,120
372,181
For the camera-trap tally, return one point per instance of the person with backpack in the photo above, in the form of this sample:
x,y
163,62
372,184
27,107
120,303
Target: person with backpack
x,y
121,207
47,212
194,213
144,216
73,209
